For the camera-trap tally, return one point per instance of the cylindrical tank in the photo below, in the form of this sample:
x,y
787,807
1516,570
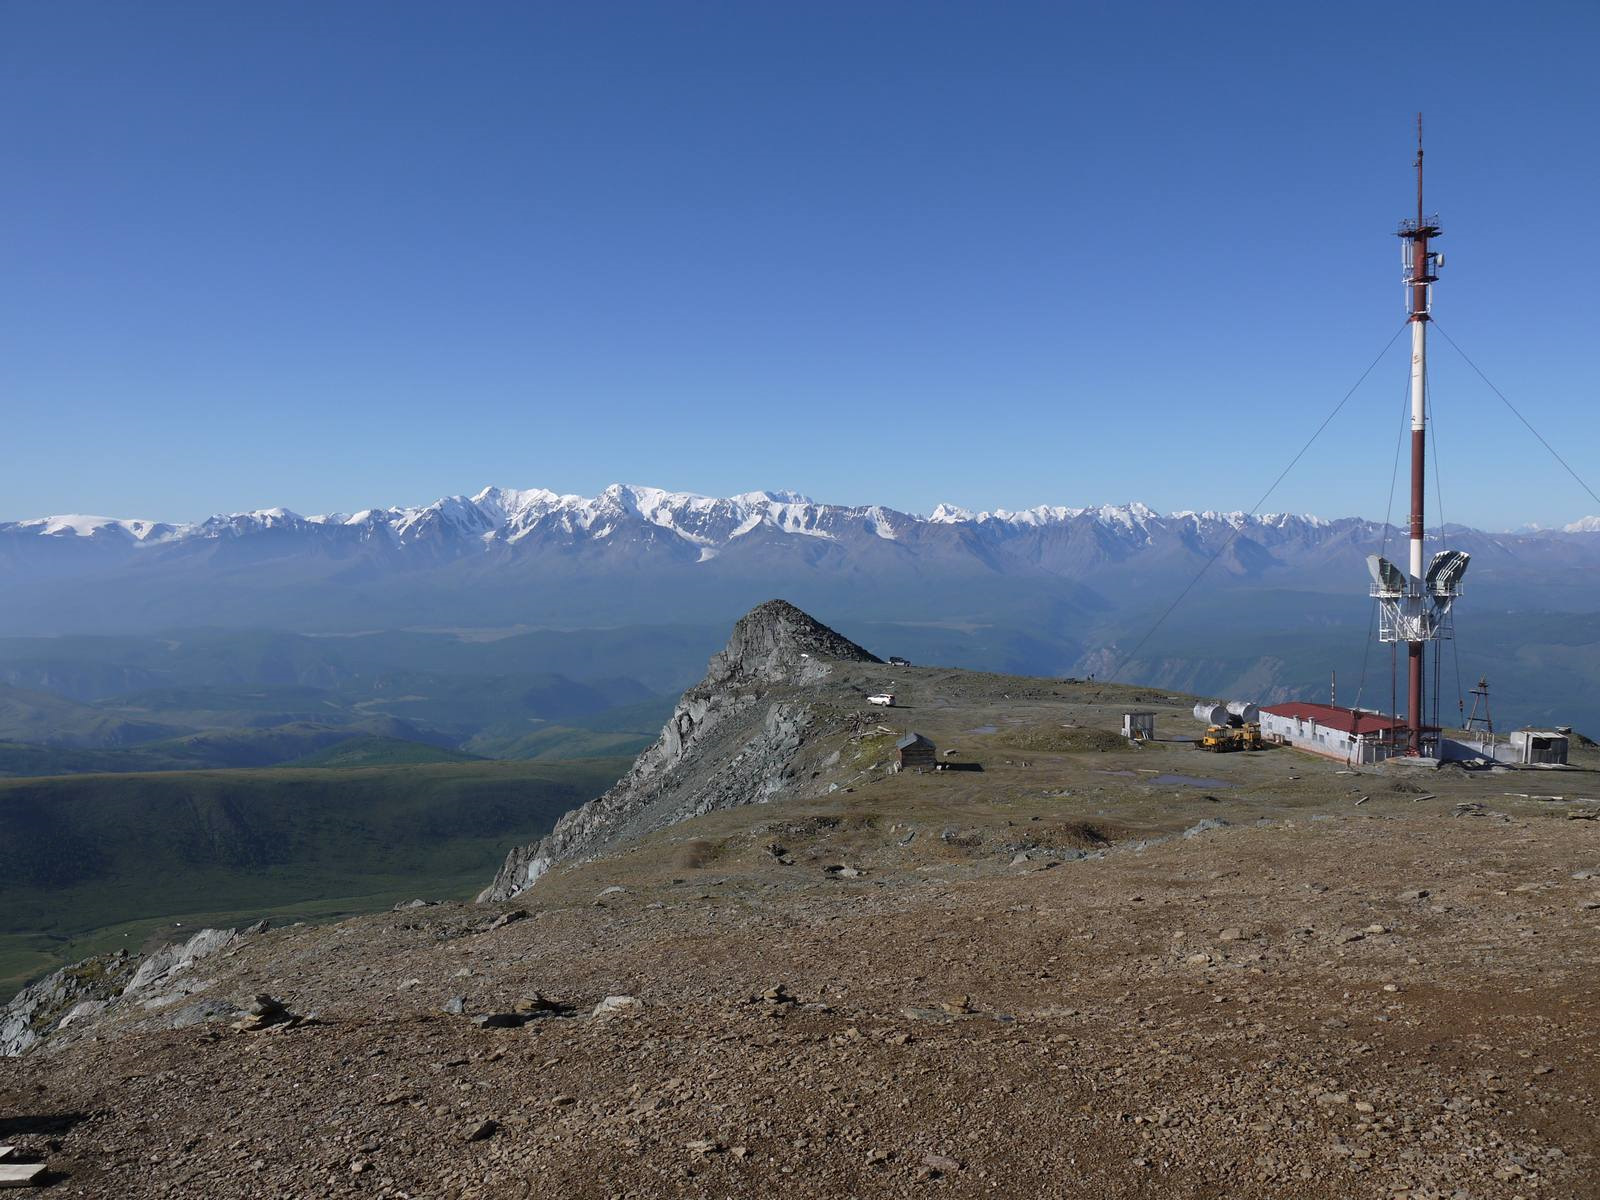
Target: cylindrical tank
x,y
1244,710
1211,712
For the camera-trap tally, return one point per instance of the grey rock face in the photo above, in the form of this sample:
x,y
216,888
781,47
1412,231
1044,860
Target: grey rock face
x,y
81,995
731,741
73,994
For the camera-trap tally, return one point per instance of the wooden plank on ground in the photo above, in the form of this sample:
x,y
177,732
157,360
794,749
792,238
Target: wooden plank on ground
x,y
20,1174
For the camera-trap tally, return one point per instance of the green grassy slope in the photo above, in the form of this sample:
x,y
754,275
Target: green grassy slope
x,y
370,751
83,857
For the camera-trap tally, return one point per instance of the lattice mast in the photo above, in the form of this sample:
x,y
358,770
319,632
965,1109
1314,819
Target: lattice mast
x,y
1415,606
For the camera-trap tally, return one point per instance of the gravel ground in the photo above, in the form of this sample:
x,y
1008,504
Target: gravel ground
x,y
1257,1011
1020,981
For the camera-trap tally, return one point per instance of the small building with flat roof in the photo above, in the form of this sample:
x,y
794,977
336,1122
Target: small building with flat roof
x,y
1530,747
1139,726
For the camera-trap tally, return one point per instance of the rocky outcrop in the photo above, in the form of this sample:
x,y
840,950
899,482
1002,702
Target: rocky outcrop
x,y
732,740
80,995
60,998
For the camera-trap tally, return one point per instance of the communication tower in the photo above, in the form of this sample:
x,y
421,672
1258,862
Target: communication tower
x,y
1414,605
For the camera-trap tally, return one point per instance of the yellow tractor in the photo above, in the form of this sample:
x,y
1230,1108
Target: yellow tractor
x,y
1222,739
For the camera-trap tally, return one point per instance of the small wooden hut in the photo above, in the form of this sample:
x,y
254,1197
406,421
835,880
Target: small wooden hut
x,y
914,752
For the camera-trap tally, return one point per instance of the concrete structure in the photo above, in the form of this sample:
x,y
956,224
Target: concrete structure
x,y
1140,726
1531,746
914,752
1341,733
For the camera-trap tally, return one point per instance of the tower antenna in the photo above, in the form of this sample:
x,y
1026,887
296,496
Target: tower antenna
x,y
1414,605
1419,168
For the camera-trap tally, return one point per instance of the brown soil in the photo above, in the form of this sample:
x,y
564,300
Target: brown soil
x,y
1267,1008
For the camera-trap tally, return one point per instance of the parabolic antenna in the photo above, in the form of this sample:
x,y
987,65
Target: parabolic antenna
x,y
1385,574
1446,570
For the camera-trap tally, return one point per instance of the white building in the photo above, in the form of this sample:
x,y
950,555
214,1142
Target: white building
x,y
1530,746
1345,734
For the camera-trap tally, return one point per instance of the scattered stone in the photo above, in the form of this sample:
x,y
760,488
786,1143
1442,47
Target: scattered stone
x,y
483,1129
1333,1099
506,918
615,889
1232,934
703,1147
405,904
1376,929
264,1012
455,1006
1201,959
618,1006
777,994
941,1163
958,1005
839,871
1414,894
260,926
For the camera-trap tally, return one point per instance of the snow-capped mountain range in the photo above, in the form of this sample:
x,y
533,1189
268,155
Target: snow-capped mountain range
x,y
631,554
509,515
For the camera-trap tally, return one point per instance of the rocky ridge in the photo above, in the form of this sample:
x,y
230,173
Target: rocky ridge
x,y
731,740
76,997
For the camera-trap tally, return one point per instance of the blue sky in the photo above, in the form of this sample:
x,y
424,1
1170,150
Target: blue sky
x,y
340,254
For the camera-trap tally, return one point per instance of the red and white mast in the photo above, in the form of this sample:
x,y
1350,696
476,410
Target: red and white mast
x,y
1420,288
1414,605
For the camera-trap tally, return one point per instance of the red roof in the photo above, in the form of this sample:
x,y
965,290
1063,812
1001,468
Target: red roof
x,y
1346,720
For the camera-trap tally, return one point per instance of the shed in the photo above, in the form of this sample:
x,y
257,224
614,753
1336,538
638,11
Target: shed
x,y
1139,726
914,752
1530,746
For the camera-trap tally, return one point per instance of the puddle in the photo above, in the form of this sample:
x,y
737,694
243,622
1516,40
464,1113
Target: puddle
x,y
1189,781
985,729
